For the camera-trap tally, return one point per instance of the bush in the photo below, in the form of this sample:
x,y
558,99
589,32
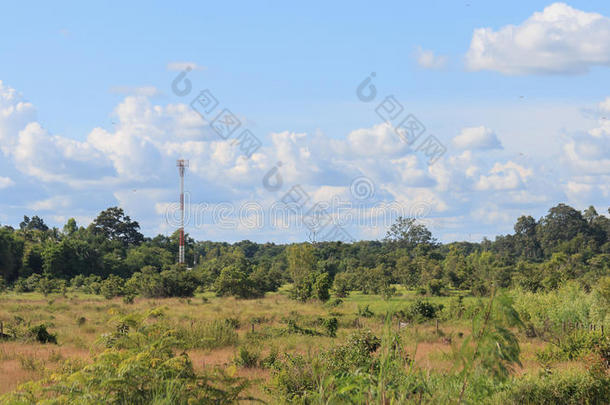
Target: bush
x,y
341,285
321,287
41,334
175,282
565,387
247,357
365,312
437,287
112,287
140,368
334,303
331,325
233,281
576,345
420,311
293,377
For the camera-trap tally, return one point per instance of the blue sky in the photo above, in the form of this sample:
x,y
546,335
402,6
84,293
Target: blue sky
x,y
514,91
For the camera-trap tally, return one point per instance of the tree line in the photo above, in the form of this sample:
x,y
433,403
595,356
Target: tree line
x,y
112,257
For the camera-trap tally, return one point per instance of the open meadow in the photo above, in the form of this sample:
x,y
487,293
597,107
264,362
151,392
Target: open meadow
x,y
262,339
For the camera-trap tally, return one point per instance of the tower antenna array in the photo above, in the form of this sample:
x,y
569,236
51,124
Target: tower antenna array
x,y
182,164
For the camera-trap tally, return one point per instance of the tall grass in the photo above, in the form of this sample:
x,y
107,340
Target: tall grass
x,y
208,335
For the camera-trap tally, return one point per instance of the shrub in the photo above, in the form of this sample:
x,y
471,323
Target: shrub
x,y
143,369
233,281
41,334
559,387
175,282
420,311
112,287
355,353
341,285
334,303
321,287
331,325
365,312
576,345
293,377
437,287
247,357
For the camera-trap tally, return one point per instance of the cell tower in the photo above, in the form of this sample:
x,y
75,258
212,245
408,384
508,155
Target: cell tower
x,y
182,165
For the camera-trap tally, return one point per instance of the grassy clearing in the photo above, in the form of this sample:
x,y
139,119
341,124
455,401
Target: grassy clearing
x,y
216,331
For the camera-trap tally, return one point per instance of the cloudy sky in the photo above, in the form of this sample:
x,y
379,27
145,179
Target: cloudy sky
x,y
506,109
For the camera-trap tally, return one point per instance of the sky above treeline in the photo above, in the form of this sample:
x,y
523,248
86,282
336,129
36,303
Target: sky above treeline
x,y
299,118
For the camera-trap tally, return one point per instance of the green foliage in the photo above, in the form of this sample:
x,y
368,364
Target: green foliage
x,y
492,348
560,387
341,285
247,357
331,325
210,335
233,281
175,282
139,368
437,287
365,312
321,287
40,334
576,345
420,311
112,287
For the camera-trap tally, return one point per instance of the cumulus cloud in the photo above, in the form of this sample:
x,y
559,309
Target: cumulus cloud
x,y
429,60
481,138
133,165
180,66
507,176
6,182
15,114
558,40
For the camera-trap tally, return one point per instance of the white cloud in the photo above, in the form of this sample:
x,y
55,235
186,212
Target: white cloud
x,y
508,176
133,165
49,204
429,60
147,91
558,40
6,182
180,66
480,138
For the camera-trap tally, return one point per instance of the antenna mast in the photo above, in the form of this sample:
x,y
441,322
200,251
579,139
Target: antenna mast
x,y
182,164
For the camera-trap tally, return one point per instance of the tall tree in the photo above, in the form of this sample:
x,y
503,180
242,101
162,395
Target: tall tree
x,y
115,225
407,233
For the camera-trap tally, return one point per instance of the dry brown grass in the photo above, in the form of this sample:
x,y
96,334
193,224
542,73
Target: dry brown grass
x,y
78,341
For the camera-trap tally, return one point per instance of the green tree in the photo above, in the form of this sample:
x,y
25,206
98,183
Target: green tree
x,y
407,233
113,224
233,281
321,287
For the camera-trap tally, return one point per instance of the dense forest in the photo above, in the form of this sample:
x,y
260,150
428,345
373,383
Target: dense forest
x,y
113,258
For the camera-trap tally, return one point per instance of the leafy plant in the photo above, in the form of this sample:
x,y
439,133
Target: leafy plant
x,y
491,348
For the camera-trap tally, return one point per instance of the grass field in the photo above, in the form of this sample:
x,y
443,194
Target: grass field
x,y
79,320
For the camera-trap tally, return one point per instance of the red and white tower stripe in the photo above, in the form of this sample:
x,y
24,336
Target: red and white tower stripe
x,y
182,165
